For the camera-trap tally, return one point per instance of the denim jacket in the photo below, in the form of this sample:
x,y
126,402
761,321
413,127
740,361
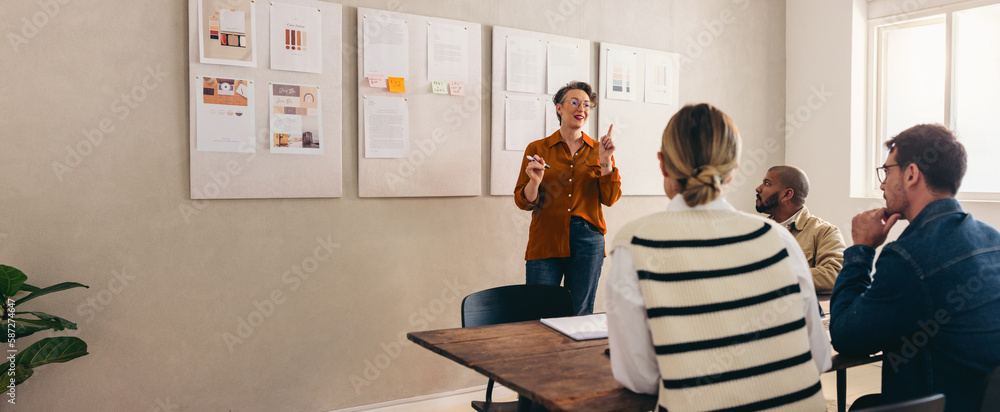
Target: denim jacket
x,y
933,307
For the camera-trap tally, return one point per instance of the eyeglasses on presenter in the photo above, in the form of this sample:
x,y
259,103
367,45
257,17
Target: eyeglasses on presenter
x,y
589,105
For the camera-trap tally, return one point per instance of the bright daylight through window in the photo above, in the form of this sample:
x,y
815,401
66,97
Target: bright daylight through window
x,y
941,68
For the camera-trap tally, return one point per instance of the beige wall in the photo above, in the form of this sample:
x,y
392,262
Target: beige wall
x,y
385,267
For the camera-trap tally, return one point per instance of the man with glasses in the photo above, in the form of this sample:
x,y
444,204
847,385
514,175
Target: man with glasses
x,y
932,305
782,195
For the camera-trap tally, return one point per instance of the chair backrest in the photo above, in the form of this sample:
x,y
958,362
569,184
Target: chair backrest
x,y
933,403
515,303
991,395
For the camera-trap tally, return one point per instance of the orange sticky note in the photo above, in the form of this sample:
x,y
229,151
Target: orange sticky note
x,y
457,88
397,85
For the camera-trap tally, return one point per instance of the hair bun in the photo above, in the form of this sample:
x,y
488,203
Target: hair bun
x,y
708,175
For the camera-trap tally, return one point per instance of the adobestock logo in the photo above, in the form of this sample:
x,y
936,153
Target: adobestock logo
x,y
420,320
31,27
164,405
795,119
247,325
123,105
698,43
102,299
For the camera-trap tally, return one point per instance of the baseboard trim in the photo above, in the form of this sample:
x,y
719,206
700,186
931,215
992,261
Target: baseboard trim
x,y
434,402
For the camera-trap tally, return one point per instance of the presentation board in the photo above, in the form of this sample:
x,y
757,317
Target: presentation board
x,y
240,145
638,93
519,89
425,140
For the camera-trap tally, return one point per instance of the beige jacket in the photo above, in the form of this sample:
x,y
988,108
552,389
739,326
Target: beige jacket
x,y
823,246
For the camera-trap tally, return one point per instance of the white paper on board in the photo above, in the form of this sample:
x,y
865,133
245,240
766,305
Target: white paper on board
x,y
226,34
564,64
621,75
296,123
525,65
225,119
387,127
523,121
386,42
296,38
447,52
660,82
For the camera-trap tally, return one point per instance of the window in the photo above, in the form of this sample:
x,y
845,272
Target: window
x,y
940,66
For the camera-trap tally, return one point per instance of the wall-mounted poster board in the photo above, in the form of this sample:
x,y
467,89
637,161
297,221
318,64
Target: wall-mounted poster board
x,y
638,92
265,99
528,68
419,105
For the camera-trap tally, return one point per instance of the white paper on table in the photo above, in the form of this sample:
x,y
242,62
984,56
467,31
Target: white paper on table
x,y
295,112
661,79
447,52
386,42
564,65
621,74
523,121
387,127
296,38
525,65
551,121
224,127
584,327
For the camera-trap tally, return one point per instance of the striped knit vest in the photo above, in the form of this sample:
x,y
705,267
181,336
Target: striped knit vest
x,y
724,311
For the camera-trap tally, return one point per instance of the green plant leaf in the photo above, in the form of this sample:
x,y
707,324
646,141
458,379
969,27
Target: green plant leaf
x,y
26,327
11,280
29,288
51,350
50,289
63,323
21,373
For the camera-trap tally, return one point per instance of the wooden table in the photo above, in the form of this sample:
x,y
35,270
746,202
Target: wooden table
x,y
554,370
539,363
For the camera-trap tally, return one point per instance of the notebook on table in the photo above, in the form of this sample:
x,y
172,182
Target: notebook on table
x,y
584,327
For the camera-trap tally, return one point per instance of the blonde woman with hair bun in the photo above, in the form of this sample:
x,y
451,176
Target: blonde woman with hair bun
x,y
700,150
709,307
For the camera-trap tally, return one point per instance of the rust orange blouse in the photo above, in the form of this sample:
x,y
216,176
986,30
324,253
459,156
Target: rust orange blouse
x,y
573,186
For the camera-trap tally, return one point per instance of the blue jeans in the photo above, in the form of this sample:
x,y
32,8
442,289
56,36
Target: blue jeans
x,y
582,268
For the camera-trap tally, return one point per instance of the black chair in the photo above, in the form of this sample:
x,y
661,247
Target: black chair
x,y
508,304
932,403
991,395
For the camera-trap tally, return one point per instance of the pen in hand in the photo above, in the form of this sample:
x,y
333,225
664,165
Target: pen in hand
x,y
533,160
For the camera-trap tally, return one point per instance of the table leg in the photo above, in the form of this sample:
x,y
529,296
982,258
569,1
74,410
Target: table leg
x,y
841,390
523,404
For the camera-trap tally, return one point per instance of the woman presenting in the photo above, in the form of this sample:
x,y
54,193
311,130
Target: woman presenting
x,y
569,177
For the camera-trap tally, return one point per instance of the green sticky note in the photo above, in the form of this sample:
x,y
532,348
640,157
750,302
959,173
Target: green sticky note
x,y
439,87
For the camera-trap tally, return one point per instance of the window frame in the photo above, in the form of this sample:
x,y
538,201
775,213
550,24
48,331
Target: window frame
x,y
878,28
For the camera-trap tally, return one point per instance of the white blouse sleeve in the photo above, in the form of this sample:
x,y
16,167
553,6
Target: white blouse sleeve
x,y
633,359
